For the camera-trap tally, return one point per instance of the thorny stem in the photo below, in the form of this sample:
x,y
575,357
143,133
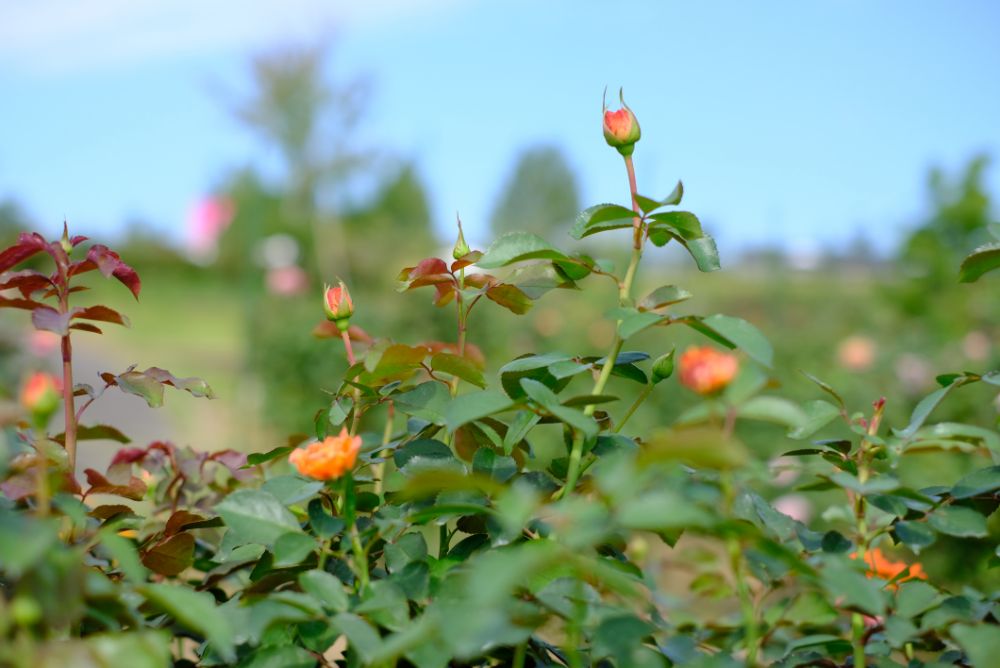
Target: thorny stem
x,y
861,524
68,406
624,299
349,349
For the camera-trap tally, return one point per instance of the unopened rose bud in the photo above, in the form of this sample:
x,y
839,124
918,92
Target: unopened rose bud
x,y
621,128
338,305
41,395
707,370
461,248
663,367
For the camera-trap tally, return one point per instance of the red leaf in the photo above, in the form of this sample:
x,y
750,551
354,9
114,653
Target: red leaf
x,y
510,297
28,281
129,456
26,304
102,314
469,258
179,520
429,272
134,489
109,263
171,556
106,512
86,327
27,245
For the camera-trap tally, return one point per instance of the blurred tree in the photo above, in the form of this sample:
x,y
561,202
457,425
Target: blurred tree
x,y
541,195
960,212
310,120
13,219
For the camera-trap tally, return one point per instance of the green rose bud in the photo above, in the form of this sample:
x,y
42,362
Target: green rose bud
x,y
663,367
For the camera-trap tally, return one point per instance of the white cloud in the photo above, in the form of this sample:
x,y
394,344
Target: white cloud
x,y
59,36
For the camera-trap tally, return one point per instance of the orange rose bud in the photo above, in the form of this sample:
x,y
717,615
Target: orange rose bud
x,y
707,370
328,459
880,566
338,305
41,394
621,128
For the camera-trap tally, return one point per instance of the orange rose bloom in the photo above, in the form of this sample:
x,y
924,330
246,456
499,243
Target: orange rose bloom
x,y
328,459
337,302
707,370
880,566
41,393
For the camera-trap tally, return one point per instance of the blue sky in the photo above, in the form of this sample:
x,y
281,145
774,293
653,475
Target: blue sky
x,y
791,121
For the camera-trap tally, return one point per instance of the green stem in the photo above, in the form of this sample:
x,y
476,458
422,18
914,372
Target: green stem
x,y
360,556
635,406
520,652
378,470
858,639
624,299
443,541
735,550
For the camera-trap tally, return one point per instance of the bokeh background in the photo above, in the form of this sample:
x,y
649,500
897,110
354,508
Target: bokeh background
x,y
240,154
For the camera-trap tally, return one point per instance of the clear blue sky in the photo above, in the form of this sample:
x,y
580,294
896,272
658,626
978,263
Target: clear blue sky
x,y
796,120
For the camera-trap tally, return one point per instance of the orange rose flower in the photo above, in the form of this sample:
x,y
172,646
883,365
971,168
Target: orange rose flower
x,y
880,566
41,393
338,305
328,459
621,128
707,370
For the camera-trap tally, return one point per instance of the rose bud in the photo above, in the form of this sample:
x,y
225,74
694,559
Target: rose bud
x,y
338,305
663,367
328,459
621,128
707,370
41,395
461,248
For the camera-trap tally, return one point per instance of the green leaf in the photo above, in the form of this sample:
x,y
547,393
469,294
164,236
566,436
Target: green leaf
x,y
978,482
407,548
958,521
284,656
818,414
460,367
600,218
536,367
916,597
292,548
773,409
662,510
123,551
516,247
136,649
916,535
842,580
635,322
291,489
498,467
683,223
736,333
256,516
663,296
475,405
924,407
647,204
196,611
427,401
325,588
361,635
980,642
548,400
984,259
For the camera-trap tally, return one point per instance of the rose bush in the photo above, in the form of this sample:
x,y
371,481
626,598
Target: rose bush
x,y
440,515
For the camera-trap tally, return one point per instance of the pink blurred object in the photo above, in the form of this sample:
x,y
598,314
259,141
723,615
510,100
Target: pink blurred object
x,y
856,353
206,222
42,343
287,281
795,506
